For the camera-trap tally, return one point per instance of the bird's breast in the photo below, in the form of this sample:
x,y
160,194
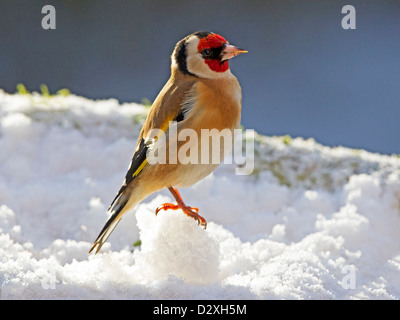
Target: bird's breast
x,y
220,103
214,117
205,137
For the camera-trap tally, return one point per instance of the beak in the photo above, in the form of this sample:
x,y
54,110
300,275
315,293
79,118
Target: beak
x,y
231,51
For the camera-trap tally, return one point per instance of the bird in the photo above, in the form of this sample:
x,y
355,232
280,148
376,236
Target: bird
x,y
201,93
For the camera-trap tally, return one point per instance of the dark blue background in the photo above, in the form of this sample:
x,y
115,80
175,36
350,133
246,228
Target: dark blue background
x,y
303,76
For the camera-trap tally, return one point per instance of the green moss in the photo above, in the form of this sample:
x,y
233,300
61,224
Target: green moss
x,y
277,170
313,181
302,177
45,90
137,243
77,125
22,89
64,92
287,139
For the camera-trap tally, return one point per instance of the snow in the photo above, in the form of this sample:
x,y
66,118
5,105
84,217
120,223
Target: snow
x,y
311,222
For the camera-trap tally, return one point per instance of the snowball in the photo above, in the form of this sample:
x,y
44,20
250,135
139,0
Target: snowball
x,y
174,244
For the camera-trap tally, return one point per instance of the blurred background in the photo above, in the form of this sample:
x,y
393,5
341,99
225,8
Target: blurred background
x,y
304,75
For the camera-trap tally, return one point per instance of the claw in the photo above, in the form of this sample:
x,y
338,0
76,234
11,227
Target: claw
x,y
167,206
193,212
189,211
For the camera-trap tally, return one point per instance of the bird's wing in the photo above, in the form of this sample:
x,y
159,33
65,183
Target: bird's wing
x,y
172,104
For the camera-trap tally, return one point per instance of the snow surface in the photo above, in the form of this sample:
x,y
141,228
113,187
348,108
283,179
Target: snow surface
x,y
310,222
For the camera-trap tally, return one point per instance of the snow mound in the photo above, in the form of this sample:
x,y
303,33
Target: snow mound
x,y
310,222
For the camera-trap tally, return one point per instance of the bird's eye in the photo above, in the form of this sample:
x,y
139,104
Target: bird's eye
x,y
206,53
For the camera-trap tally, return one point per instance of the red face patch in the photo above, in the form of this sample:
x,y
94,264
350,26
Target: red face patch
x,y
210,42
217,65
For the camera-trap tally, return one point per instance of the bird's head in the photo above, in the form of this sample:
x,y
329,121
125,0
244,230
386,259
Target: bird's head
x,y
204,55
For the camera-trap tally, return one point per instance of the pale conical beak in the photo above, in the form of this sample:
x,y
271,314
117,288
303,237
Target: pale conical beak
x,y
231,51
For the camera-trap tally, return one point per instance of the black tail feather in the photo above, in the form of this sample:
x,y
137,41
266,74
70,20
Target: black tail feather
x,y
110,225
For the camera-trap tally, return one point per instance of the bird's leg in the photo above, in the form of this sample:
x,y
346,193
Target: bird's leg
x,y
190,211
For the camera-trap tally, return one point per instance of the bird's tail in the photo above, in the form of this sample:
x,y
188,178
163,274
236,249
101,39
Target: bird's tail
x,y
117,210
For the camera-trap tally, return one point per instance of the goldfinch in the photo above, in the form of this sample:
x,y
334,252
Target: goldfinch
x,y
201,93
